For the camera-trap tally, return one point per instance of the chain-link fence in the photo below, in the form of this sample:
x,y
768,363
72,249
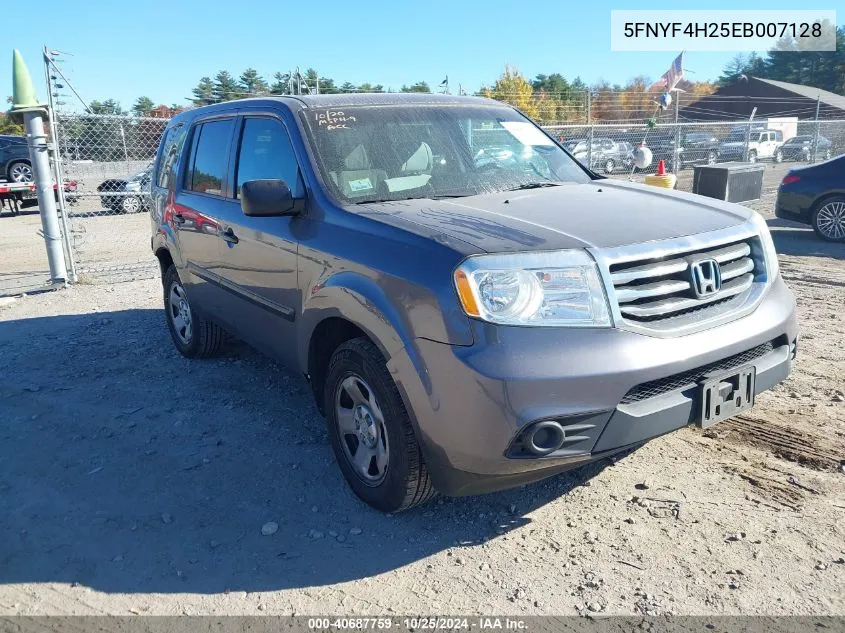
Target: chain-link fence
x,y
108,158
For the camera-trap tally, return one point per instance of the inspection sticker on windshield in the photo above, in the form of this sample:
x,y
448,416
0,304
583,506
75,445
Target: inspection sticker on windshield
x,y
362,184
526,133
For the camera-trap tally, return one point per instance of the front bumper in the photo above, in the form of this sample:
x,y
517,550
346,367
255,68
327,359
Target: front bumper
x,y
470,403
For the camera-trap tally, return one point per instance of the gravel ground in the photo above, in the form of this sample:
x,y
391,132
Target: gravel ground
x,y
135,481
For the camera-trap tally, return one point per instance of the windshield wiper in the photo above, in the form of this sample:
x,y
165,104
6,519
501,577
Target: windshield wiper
x,y
534,185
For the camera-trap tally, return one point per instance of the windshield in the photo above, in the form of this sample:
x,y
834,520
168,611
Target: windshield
x,y
372,153
797,140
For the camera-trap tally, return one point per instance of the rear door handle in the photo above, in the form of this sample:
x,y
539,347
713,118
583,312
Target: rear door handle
x,y
229,236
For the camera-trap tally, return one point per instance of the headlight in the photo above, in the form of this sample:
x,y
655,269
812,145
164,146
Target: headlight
x,y
772,267
133,186
560,288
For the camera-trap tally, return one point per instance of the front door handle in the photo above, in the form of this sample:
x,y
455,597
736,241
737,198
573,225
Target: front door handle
x,y
229,236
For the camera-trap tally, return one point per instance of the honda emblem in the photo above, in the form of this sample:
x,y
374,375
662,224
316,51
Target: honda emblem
x,y
705,277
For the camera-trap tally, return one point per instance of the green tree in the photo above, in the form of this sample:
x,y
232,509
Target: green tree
x,y
513,88
204,92
348,87
368,87
7,126
109,106
420,86
252,84
226,87
143,106
281,84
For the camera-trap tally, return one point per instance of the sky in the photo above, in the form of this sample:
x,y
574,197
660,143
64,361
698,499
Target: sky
x,y
160,49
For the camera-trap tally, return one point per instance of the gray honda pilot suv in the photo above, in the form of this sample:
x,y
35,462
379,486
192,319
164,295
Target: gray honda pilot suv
x,y
473,308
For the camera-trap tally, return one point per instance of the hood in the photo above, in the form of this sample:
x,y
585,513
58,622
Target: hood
x,y
602,214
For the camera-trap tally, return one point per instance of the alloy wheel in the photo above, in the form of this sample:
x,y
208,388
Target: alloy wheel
x,y
830,220
361,426
179,311
20,172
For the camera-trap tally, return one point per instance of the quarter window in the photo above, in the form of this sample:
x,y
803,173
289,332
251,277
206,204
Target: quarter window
x,y
211,157
172,144
266,154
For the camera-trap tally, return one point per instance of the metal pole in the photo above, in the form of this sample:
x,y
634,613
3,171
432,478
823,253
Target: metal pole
x,y
34,126
123,138
588,107
676,150
25,105
816,132
748,132
58,175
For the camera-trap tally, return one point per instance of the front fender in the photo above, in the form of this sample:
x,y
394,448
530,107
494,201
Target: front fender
x,y
359,300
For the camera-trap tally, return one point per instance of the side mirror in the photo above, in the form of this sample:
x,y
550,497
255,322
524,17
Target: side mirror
x,y
267,198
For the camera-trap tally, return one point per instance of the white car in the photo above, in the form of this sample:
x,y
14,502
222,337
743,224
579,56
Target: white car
x,y
762,145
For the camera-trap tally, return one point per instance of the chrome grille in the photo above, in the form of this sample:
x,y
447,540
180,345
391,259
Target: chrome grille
x,y
649,291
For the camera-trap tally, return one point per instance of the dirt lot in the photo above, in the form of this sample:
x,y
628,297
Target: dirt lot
x,y
135,481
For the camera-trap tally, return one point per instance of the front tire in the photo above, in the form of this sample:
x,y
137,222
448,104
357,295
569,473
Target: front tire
x,y
371,433
752,156
712,158
778,156
828,219
609,166
193,335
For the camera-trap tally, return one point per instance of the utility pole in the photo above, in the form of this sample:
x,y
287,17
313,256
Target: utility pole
x,y
25,105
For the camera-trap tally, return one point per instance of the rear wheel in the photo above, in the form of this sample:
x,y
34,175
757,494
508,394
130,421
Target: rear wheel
x,y
609,166
752,156
371,433
193,335
130,204
20,171
711,158
778,156
829,219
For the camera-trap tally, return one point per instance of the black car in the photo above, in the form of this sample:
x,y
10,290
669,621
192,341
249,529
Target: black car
x,y
14,159
801,148
127,195
815,195
693,148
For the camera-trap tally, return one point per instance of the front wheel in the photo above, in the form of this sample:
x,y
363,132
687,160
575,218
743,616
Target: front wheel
x,y
829,219
371,433
193,335
711,158
778,156
752,157
609,166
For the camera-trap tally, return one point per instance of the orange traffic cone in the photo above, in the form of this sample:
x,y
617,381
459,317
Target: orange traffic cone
x,y
661,178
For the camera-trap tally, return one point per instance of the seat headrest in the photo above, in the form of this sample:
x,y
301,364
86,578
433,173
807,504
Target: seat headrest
x,y
420,160
357,159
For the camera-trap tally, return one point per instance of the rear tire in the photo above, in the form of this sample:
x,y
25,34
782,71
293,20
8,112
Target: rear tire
x,y
712,158
752,156
609,166
20,171
828,219
778,156
401,480
193,335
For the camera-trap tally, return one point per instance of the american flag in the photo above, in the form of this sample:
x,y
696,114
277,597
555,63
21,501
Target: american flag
x,y
673,76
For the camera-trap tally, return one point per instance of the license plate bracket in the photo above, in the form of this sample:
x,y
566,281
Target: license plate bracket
x,y
724,395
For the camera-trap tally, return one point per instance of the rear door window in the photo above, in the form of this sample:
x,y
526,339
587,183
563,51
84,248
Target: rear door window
x,y
210,159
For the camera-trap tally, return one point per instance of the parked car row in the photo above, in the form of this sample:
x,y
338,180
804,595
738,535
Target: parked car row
x,y
608,154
